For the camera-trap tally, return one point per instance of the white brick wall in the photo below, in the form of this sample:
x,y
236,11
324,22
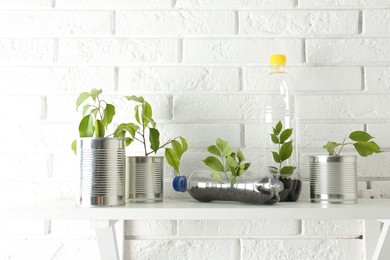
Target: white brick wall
x,y
201,63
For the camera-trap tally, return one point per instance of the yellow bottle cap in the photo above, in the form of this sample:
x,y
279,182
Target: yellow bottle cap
x,y
278,60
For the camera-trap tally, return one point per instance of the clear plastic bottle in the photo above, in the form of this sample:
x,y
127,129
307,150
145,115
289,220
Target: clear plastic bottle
x,y
277,115
203,187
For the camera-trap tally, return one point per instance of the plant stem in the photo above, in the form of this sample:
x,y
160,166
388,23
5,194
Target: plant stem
x,y
342,146
162,146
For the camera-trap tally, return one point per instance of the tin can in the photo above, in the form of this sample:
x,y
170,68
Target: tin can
x,y
144,178
102,171
333,179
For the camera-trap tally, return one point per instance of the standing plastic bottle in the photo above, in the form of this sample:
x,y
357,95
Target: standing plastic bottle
x,y
278,134
202,187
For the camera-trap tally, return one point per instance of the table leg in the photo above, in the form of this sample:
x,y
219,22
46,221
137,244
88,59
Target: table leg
x,y
110,238
382,250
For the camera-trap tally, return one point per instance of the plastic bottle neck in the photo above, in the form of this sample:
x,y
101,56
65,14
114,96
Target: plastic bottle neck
x,y
278,69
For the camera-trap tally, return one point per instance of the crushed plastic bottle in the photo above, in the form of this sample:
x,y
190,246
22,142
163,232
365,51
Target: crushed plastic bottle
x,y
203,187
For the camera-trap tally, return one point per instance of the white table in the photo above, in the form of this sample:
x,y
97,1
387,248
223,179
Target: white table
x,y
109,222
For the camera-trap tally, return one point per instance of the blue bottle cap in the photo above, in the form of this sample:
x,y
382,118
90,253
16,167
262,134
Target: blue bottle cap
x,y
180,183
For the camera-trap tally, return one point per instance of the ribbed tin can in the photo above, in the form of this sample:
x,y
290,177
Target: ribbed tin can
x,y
333,179
102,171
144,178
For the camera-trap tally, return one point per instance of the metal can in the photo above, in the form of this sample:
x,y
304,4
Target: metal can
x,y
333,179
144,178
102,171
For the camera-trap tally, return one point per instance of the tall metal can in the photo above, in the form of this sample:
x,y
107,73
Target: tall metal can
x,y
102,171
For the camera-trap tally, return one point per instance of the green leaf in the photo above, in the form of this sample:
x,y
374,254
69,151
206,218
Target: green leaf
x,y
184,144
85,109
99,128
243,168
285,151
240,156
224,147
231,163
74,146
213,163
286,171
94,112
330,146
135,98
148,120
109,112
233,180
214,150
274,138
154,138
86,127
123,128
217,176
172,159
276,157
366,148
136,110
285,135
82,97
147,110
273,169
95,93
360,136
176,146
128,141
278,128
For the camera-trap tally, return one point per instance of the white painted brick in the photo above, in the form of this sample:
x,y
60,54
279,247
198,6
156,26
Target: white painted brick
x,y
26,50
376,22
212,228
117,4
56,190
333,228
377,165
27,166
54,80
343,107
380,132
309,79
31,108
203,135
383,187
298,22
72,228
338,51
342,3
122,50
240,50
177,79
263,4
19,191
305,192
150,228
24,3
44,249
315,135
182,249
377,79
42,138
302,249
25,228
161,105
65,165
175,22
45,23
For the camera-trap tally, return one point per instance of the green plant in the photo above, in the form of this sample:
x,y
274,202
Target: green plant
x,y
228,163
144,131
285,149
97,115
362,144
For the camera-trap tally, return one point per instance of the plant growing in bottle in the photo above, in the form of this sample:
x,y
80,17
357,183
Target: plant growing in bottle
x,y
97,114
281,157
227,165
144,131
361,141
